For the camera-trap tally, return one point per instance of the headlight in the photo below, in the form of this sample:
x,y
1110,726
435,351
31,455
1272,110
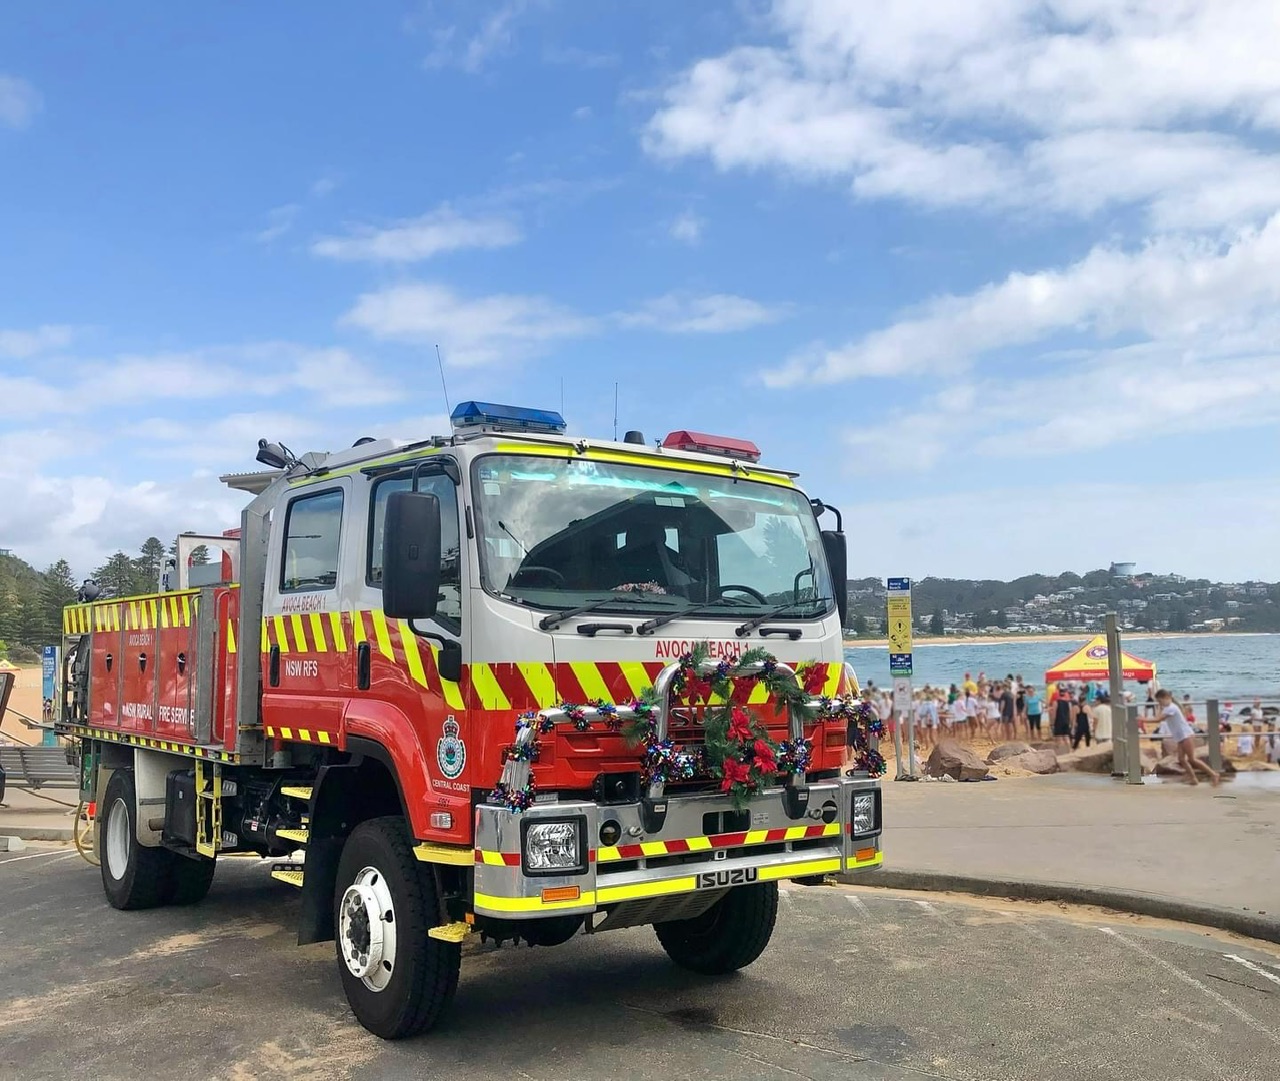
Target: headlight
x,y
554,847
864,813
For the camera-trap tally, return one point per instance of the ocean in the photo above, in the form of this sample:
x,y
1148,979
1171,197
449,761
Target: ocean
x,y
1227,667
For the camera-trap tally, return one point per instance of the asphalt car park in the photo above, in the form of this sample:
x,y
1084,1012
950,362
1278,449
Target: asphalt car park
x,y
857,983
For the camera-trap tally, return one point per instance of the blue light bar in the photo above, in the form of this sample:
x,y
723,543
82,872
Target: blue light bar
x,y
505,418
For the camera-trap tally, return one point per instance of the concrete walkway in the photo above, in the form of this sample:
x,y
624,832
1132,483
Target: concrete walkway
x,y
1166,849
34,819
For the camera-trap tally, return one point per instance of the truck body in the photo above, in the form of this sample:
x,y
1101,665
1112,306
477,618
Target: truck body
x,y
465,685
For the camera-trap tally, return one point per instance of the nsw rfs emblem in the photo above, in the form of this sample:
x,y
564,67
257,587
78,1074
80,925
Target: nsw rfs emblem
x,y
451,752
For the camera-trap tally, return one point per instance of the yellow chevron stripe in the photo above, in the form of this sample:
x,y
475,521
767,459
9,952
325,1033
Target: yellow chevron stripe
x,y
281,636
486,686
317,633
304,735
756,837
324,737
264,636
151,605
357,627
412,653
299,636
589,678
699,844
492,859
186,610
286,733
115,617
637,678
339,639
380,632
832,687
231,637
164,613
759,695
452,692
651,848
540,682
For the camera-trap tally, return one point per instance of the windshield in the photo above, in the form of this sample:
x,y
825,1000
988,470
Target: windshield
x,y
560,533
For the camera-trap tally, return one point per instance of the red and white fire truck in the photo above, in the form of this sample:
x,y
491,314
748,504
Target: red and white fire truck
x,y
462,685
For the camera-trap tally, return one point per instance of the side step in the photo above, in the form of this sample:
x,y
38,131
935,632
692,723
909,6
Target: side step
x,y
288,872
294,835
302,792
450,932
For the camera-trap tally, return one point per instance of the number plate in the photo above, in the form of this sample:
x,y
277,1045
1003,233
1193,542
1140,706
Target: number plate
x,y
737,876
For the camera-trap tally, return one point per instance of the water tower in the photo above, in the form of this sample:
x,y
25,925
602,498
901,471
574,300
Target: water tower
x,y
1123,570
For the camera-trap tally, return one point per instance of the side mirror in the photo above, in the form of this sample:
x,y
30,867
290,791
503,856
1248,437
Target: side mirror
x,y
833,543
411,556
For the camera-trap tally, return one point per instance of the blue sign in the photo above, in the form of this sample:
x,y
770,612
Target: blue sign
x,y
48,671
899,585
900,664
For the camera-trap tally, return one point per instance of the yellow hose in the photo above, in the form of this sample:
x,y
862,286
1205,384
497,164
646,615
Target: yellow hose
x,y
83,834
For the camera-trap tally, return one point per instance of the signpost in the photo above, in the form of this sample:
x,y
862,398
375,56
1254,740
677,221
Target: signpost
x,y
49,657
899,628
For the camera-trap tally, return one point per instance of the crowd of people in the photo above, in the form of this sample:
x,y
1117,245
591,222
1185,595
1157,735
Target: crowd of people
x,y
1069,714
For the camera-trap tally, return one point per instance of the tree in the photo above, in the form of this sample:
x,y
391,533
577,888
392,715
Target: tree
x,y
936,624
57,590
148,565
118,576
199,555
859,624
1000,619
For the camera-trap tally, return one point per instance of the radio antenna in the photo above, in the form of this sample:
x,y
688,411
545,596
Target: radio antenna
x,y
443,385
615,412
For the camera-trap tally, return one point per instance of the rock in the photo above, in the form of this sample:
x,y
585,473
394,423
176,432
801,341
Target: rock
x,y
1006,750
1169,766
951,759
1033,761
1095,759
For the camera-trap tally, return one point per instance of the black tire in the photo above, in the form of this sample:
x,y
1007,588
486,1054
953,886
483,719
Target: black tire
x,y
425,972
189,879
728,936
144,881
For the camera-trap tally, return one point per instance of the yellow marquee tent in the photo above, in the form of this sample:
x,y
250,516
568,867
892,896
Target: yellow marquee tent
x,y
1090,662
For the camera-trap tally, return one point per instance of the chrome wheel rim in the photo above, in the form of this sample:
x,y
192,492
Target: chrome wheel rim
x,y
118,839
367,929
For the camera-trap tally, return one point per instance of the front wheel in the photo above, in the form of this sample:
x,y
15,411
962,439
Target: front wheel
x,y
730,935
398,980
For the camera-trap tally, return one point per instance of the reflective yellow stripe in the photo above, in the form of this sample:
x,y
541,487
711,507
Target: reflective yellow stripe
x,y
756,837
152,606
606,894
486,686
852,864
412,655
231,637
699,844
748,471
164,613
451,854
651,848
531,904
491,859
798,870
186,610
286,733
317,633
323,736
299,636
452,692
115,617
339,638
265,637
541,685
380,633
357,627
304,735
589,678
279,638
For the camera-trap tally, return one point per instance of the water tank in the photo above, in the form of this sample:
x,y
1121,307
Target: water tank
x,y
1122,570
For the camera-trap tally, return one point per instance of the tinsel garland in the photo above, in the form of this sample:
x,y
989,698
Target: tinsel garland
x,y
737,748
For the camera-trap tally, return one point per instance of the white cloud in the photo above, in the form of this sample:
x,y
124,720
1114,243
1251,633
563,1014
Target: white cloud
x,y
280,220
19,102
1171,290
471,51
415,239
21,344
1068,105
582,112
687,228
470,331
717,313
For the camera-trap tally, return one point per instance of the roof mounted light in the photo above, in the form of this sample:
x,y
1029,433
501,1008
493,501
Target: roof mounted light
x,y
701,443
486,416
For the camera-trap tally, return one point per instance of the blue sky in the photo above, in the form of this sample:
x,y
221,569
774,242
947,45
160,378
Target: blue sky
x,y
1001,282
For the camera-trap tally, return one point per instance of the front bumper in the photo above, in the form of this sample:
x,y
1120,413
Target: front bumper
x,y
690,853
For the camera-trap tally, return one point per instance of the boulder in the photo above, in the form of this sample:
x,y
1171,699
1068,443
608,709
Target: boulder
x,y
1095,759
952,759
1033,761
1007,750
1168,766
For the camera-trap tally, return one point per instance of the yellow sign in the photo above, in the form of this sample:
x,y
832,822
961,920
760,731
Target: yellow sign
x,y
899,624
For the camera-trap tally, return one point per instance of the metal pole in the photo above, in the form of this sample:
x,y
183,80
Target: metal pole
x,y
1215,735
913,766
1134,740
1115,670
897,747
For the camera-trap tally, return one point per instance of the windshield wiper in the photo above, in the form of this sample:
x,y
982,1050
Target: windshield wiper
x,y
755,621
651,625
554,620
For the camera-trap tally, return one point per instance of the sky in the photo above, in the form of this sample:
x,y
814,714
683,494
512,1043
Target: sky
x,y
999,279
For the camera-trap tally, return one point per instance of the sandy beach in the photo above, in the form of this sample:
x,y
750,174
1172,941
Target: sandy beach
x,y
25,699
1005,639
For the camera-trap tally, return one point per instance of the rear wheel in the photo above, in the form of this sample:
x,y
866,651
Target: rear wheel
x,y
133,875
728,936
189,879
398,980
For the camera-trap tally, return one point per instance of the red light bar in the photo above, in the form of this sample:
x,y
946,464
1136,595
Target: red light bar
x,y
723,445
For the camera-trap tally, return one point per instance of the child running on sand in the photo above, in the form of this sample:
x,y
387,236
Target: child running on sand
x,y
1177,726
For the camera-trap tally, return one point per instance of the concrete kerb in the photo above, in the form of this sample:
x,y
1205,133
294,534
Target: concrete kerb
x,y
1249,924
37,833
